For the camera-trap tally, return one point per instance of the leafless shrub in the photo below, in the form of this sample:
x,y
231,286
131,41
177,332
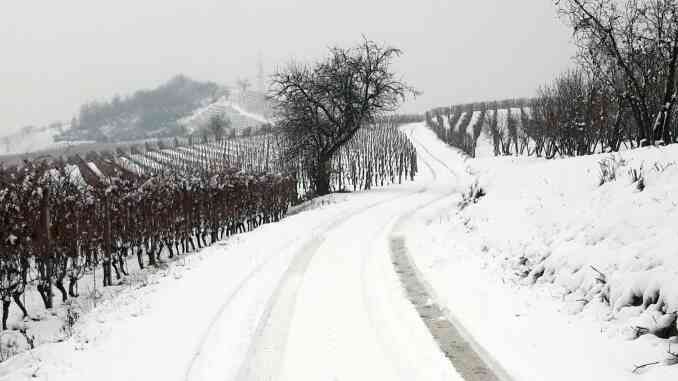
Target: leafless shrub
x,y
661,167
71,317
609,167
637,176
472,195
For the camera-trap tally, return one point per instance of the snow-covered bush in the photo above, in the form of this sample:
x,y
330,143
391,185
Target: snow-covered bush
x,y
637,176
72,314
596,240
472,195
609,168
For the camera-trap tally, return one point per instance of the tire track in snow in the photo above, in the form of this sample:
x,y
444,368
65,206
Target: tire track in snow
x,y
428,166
370,301
418,143
215,319
470,360
267,350
238,289
268,345
468,357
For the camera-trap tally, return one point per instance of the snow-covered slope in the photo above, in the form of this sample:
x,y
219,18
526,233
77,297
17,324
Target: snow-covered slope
x,y
33,139
237,114
559,276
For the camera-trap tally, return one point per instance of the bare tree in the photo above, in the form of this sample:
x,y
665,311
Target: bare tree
x,y
633,48
321,106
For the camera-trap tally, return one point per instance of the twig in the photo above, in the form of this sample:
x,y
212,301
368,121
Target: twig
x,y
671,353
598,271
602,278
638,367
641,330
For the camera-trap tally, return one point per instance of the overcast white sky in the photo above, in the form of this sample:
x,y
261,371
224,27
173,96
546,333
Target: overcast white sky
x,y
55,55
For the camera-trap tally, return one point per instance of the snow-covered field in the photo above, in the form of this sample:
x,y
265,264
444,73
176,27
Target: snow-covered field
x,y
316,297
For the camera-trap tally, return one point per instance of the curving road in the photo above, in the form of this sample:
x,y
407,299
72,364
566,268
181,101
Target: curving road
x,y
339,310
321,295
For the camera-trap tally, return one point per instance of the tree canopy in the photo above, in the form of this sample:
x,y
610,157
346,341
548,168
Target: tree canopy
x,y
321,106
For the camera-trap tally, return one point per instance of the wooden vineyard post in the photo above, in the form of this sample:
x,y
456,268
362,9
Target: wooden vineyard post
x,y
400,168
107,243
268,146
46,287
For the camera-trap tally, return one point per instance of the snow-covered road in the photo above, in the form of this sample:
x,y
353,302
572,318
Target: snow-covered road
x,y
338,311
314,297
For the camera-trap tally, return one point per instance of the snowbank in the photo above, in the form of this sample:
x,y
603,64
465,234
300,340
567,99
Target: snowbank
x,y
563,222
567,264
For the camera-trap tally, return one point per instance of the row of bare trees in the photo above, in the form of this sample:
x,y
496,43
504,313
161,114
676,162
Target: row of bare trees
x,y
62,219
459,126
566,119
628,51
622,92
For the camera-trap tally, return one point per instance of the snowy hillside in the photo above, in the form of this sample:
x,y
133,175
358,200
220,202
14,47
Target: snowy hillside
x,y
564,260
46,139
223,107
34,139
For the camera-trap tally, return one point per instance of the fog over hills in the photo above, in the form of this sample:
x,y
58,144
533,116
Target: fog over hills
x,y
179,107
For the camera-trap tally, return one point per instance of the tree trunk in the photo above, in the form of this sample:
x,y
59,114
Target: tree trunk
x,y
5,313
151,254
140,259
108,245
106,267
60,286
73,286
322,178
45,291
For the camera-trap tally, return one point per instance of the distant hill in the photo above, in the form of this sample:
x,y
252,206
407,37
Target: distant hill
x,y
236,111
178,107
145,114
31,138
